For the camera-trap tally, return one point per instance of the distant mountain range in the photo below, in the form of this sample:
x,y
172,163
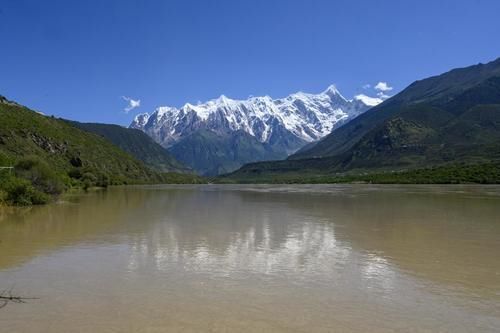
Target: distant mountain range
x,y
446,124
453,118
221,135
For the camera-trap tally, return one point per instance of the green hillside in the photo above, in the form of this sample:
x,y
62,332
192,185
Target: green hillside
x,y
50,156
211,153
137,144
453,92
448,120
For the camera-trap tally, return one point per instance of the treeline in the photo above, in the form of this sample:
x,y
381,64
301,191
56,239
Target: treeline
x,y
487,173
33,182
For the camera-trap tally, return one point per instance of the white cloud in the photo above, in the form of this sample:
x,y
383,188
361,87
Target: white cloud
x,y
382,95
383,86
132,104
370,101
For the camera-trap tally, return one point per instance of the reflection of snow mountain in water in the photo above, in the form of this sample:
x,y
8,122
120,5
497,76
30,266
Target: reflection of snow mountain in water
x,y
307,251
251,232
254,251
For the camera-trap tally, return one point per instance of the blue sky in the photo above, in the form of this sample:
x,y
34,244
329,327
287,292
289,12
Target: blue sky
x,y
76,59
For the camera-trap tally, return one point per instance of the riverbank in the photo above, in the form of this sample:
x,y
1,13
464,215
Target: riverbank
x,y
33,182
481,173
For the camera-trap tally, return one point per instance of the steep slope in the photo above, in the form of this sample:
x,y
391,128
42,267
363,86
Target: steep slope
x,y
454,91
24,132
210,153
447,119
50,154
137,144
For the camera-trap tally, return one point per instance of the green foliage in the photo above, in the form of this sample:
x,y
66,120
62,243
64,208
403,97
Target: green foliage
x,y
50,155
102,180
64,147
75,173
88,179
179,178
211,153
31,183
18,191
453,118
40,175
137,144
453,92
453,174
488,173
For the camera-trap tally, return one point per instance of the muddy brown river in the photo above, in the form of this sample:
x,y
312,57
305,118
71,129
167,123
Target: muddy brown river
x,y
237,258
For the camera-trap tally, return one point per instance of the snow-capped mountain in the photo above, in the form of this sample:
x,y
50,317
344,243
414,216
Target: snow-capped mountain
x,y
221,135
308,117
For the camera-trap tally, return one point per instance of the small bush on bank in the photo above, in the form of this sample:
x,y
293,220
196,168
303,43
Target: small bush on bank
x,y
88,177
41,176
19,191
3,196
88,180
103,180
75,173
33,182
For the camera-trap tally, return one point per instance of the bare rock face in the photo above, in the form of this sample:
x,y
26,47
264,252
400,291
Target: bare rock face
x,y
4,100
47,145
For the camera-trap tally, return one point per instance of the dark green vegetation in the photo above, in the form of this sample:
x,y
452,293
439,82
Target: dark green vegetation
x,y
211,153
425,105
449,174
50,156
451,120
137,144
32,181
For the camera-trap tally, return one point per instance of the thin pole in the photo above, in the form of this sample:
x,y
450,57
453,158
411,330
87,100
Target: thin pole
x,y
9,168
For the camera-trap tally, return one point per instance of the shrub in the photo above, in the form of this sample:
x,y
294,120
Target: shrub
x,y
41,176
3,196
103,180
39,198
21,192
75,173
88,180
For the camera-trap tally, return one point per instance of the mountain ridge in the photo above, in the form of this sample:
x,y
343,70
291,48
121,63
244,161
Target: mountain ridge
x,y
137,144
445,119
430,88
279,127
307,116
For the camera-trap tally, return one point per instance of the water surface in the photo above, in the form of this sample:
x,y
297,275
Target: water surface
x,y
353,258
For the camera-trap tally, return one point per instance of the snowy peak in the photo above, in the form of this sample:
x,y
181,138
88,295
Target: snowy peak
x,y
140,121
333,91
306,117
